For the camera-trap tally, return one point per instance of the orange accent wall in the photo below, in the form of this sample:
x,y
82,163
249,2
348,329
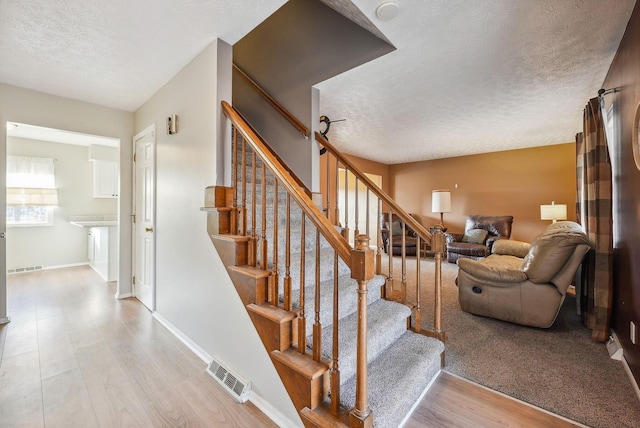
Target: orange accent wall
x,y
513,182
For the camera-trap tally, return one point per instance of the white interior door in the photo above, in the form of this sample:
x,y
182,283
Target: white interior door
x,y
144,226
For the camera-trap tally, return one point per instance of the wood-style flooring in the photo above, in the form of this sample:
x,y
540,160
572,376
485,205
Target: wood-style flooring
x,y
74,356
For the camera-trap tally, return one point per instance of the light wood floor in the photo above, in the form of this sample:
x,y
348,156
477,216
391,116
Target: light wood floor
x,y
74,356
453,402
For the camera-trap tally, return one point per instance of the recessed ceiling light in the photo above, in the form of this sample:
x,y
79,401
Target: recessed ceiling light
x,y
387,10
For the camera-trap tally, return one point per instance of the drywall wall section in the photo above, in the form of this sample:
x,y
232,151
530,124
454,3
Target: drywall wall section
x,y
61,244
303,43
513,182
193,290
624,74
36,108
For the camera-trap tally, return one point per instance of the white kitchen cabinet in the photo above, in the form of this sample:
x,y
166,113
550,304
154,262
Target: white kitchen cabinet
x,y
103,251
105,179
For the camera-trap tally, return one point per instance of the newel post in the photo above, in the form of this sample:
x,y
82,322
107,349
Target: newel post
x,y
438,246
362,271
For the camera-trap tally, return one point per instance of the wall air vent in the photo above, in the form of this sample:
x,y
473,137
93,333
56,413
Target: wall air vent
x,y
232,383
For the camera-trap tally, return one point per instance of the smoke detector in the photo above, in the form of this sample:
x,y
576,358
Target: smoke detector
x,y
387,10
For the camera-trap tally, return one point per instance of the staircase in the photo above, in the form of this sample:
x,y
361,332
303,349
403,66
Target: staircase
x,y
345,355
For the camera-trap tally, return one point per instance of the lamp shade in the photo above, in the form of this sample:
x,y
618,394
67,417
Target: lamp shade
x,y
441,201
553,212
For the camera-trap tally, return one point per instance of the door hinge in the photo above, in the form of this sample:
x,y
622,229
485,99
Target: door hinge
x,y
134,280
134,157
134,217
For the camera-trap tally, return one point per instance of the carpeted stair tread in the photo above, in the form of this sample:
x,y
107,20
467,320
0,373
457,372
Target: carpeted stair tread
x,y
386,322
397,378
348,292
326,267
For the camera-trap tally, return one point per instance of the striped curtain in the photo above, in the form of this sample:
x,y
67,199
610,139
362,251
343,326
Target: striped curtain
x,y
594,212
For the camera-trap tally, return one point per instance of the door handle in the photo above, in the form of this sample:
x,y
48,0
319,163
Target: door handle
x,y
148,229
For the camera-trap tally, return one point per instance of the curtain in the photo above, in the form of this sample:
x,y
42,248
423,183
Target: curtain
x,y
31,181
594,213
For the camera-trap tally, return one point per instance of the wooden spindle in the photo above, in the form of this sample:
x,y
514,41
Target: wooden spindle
x,y
243,213
379,247
287,256
302,322
317,325
274,272
403,258
335,367
234,180
337,192
356,226
389,284
263,220
253,248
418,312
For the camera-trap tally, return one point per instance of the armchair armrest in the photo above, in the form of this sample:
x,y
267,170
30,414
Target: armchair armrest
x,y
484,272
453,237
510,247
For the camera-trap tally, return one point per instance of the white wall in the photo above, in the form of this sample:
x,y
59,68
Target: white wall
x,y
193,290
36,108
62,243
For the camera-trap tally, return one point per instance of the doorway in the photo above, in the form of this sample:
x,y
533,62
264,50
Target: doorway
x,y
348,195
52,181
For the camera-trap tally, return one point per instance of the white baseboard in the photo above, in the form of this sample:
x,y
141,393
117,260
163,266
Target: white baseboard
x,y
5,320
123,295
266,408
632,379
257,400
66,266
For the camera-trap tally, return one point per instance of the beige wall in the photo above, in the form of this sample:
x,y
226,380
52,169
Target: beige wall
x,y
194,294
514,182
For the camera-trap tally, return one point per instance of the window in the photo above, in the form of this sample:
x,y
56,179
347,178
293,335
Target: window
x,y
31,191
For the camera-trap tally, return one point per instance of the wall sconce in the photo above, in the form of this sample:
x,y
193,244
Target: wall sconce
x,y
441,203
172,124
553,212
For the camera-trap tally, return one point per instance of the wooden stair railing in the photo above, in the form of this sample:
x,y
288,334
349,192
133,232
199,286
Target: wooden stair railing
x,y
250,253
275,104
436,240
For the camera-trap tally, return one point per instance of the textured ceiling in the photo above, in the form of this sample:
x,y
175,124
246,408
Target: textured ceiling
x,y
475,76
467,77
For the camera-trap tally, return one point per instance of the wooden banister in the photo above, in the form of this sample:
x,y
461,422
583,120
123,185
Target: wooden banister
x,y
276,105
386,199
314,214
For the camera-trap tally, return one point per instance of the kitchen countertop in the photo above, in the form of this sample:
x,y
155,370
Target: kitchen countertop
x,y
94,220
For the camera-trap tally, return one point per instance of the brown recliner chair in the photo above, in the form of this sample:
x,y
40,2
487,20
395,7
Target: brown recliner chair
x,y
474,243
410,240
524,283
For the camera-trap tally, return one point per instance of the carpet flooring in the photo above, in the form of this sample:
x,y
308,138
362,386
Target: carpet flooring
x,y
559,369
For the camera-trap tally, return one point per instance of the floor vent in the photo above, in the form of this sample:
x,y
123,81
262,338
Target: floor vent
x,y
235,385
25,269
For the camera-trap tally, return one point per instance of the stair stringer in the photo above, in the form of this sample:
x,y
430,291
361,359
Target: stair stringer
x,y
305,380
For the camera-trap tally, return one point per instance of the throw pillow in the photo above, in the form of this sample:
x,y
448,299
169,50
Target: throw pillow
x,y
475,236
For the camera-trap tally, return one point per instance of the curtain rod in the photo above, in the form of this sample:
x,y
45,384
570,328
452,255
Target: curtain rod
x,y
602,92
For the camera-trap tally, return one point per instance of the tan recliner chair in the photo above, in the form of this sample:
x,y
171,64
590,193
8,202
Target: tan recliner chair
x,y
524,283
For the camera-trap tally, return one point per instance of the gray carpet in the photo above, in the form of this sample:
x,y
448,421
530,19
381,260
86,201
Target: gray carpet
x,y
558,369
